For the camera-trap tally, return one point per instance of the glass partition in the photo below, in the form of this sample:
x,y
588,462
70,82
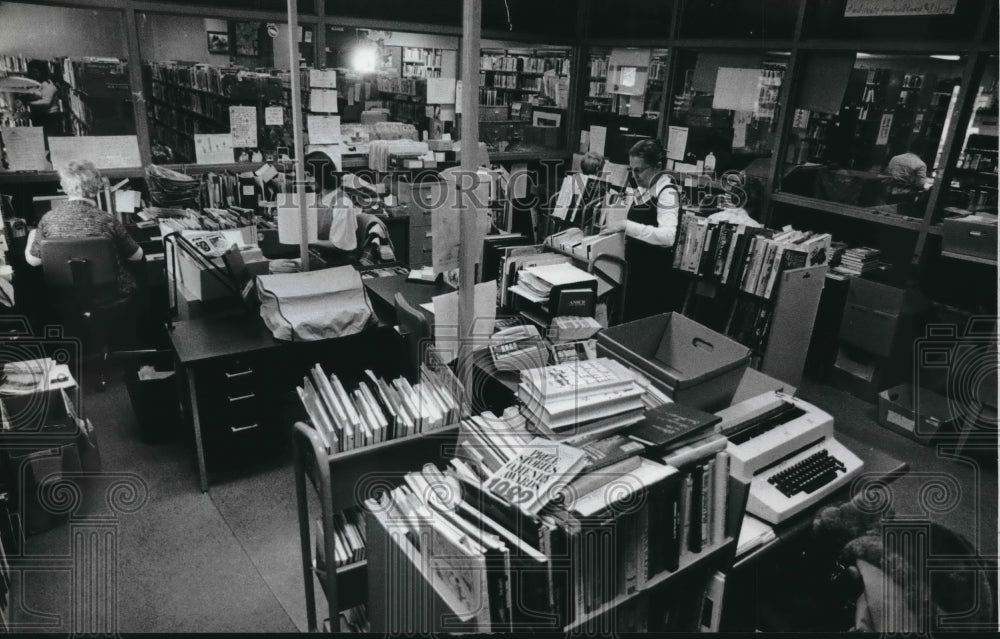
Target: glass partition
x,y
749,19
629,20
624,99
725,110
523,96
954,20
867,129
974,182
218,91
64,88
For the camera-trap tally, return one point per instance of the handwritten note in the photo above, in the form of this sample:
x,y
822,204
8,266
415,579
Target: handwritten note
x,y
213,148
878,8
440,90
105,151
677,139
323,129
323,101
322,79
25,147
274,116
243,125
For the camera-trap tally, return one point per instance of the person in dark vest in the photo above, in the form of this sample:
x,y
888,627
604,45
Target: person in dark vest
x,y
650,232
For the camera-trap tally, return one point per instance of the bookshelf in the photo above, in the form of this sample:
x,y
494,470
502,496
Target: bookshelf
x,y
338,480
506,78
421,62
429,606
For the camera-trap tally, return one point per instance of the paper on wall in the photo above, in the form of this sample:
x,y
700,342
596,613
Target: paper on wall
x,y
274,116
801,119
322,79
736,89
213,148
323,101
323,129
883,130
446,114
677,137
598,139
741,119
25,146
446,320
440,90
105,151
243,126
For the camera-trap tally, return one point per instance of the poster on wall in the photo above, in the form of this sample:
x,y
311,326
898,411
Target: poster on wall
x,y
883,130
879,8
274,116
105,151
243,126
213,148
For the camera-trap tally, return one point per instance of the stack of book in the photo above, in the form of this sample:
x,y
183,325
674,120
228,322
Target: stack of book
x,y
488,442
518,348
350,540
571,329
747,258
536,283
577,401
858,261
376,410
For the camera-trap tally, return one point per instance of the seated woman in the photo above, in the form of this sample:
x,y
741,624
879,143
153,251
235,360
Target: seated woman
x,y
338,217
78,216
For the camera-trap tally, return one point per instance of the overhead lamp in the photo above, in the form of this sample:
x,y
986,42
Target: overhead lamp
x,y
949,57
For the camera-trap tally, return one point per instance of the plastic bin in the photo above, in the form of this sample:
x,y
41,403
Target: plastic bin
x,y
155,402
898,411
692,364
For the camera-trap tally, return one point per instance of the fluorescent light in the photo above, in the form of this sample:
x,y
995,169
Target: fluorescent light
x,y
950,58
865,55
363,59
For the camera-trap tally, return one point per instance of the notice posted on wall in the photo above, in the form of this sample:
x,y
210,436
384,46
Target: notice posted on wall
x,y
213,148
25,148
243,126
105,151
274,116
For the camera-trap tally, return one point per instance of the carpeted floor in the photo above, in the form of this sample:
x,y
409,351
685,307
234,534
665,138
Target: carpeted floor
x,y
228,560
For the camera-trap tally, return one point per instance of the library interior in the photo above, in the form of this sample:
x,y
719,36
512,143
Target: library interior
x,y
326,315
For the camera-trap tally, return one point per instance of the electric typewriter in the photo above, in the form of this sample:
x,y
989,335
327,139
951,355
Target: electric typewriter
x,y
785,448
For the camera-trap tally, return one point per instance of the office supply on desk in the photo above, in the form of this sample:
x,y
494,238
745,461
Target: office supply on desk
x,y
786,449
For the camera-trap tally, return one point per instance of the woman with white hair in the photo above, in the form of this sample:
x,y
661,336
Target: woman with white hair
x,y
78,216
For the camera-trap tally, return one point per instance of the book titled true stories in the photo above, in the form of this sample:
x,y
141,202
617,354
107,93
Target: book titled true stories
x,y
535,477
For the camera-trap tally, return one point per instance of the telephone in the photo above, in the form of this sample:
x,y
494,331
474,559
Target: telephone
x,y
518,348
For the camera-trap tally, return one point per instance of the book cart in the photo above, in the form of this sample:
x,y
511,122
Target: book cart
x,y
343,480
409,594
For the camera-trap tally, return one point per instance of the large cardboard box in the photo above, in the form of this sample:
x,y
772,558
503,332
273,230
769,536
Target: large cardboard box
x,y
919,414
691,363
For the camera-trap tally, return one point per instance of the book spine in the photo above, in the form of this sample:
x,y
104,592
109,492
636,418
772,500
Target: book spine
x,y
720,504
695,540
642,546
707,497
687,491
672,508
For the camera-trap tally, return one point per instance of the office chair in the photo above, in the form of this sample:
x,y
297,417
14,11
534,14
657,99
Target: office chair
x,y
612,271
82,275
416,331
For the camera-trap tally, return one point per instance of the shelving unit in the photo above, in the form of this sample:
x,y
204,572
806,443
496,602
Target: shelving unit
x,y
341,481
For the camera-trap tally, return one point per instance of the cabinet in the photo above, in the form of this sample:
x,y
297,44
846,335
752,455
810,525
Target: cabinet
x,y
419,199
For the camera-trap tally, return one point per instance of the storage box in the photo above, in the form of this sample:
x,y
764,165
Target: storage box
x,y
976,237
692,364
919,414
206,285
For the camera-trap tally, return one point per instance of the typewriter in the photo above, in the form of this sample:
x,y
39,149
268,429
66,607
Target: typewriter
x,y
785,448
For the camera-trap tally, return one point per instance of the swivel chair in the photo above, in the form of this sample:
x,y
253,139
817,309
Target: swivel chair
x,y
82,277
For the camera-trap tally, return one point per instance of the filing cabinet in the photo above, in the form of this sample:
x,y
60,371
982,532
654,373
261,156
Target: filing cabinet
x,y
419,200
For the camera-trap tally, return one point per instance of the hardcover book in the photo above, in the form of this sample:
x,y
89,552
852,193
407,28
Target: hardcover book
x,y
533,478
671,425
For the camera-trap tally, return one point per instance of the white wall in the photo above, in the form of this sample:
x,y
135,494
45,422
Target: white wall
x,y
43,32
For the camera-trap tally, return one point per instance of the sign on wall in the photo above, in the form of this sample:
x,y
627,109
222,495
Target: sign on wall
x,y
879,8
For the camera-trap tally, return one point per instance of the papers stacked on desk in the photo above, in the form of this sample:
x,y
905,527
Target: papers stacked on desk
x,y
536,283
33,376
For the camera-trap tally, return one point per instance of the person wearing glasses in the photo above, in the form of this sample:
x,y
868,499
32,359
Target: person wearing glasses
x,y
650,231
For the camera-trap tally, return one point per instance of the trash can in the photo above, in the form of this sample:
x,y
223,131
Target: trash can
x,y
153,392
692,364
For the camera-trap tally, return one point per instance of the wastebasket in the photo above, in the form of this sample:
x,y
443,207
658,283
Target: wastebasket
x,y
153,392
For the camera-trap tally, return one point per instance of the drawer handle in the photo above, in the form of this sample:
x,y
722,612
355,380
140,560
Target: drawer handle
x,y
241,374
240,429
241,397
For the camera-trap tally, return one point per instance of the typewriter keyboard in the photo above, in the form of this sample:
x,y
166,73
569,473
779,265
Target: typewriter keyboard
x,y
808,475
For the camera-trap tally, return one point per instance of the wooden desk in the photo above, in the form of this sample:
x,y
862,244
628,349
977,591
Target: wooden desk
x,y
237,375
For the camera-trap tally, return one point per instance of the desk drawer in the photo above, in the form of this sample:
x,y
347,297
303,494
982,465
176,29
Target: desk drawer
x,y
234,377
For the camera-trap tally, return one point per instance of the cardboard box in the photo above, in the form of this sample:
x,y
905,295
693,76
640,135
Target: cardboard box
x,y
691,363
919,414
973,237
